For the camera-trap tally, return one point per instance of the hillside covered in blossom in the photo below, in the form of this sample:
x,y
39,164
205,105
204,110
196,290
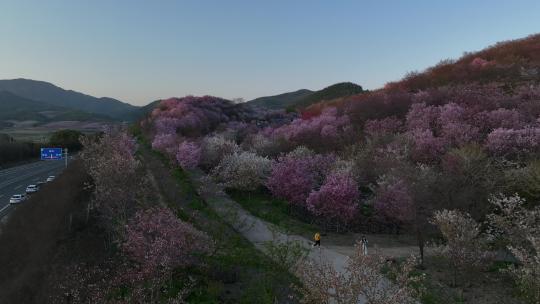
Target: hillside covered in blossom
x,y
473,126
462,135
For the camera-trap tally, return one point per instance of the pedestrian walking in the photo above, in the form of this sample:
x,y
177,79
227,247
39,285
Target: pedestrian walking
x,y
317,240
364,243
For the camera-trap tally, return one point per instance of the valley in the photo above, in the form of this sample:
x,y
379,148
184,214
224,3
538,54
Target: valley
x,y
193,152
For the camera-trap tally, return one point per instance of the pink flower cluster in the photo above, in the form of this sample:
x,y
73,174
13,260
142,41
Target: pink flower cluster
x,y
393,200
510,141
385,126
328,127
336,199
479,63
178,118
166,143
188,155
293,177
159,242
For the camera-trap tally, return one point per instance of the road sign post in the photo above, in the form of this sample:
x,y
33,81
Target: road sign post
x,y
66,157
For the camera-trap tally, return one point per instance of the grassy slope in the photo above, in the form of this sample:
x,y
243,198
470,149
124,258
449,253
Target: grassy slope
x,y
238,273
272,210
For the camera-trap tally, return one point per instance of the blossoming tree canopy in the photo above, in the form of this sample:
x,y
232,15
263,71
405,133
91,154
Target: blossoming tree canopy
x,y
336,199
159,241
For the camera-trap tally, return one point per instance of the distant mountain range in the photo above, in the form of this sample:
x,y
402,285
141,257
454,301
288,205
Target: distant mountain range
x,y
280,101
49,96
303,98
13,107
43,102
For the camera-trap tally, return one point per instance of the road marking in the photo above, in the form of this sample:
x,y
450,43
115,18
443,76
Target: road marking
x,y
18,187
7,206
21,177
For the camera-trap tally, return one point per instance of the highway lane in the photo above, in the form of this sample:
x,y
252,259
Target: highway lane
x,y
14,180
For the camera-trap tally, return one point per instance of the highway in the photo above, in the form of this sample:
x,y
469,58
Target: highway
x,y
14,180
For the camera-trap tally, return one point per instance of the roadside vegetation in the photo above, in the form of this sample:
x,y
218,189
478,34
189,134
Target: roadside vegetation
x,y
81,240
12,152
38,232
15,152
115,235
236,272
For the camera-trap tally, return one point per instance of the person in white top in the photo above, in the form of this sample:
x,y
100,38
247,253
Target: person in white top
x,y
364,243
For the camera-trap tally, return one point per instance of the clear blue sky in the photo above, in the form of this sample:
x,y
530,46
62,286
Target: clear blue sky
x,y
140,51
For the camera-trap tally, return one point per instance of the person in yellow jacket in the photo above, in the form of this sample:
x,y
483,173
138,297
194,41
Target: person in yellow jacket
x,y
317,239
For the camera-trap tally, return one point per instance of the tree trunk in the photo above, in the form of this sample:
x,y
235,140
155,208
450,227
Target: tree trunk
x,y
421,244
70,221
87,213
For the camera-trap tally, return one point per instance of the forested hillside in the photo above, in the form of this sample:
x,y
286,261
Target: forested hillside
x,y
463,136
303,98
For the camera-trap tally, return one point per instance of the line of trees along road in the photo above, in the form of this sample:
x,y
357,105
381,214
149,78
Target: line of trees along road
x,y
13,151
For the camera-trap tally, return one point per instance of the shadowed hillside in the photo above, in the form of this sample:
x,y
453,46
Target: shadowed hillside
x,y
337,90
45,92
509,62
303,98
13,107
281,101
507,65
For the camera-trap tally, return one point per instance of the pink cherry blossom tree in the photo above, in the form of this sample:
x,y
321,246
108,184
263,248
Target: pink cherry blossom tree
x,y
427,148
422,117
316,132
157,242
110,160
188,155
394,200
166,143
294,176
336,200
512,142
381,127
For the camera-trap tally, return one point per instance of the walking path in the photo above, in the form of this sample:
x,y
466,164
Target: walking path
x,y
257,231
254,229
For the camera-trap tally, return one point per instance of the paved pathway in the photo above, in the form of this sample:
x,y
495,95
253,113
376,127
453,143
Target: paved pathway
x,y
254,229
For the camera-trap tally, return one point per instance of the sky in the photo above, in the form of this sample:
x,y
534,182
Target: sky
x,y
140,51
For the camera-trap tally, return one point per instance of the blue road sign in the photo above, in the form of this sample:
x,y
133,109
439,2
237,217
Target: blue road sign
x,y
51,153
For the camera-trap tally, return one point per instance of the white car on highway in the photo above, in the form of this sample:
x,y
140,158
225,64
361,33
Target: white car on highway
x,y
32,189
17,198
50,178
